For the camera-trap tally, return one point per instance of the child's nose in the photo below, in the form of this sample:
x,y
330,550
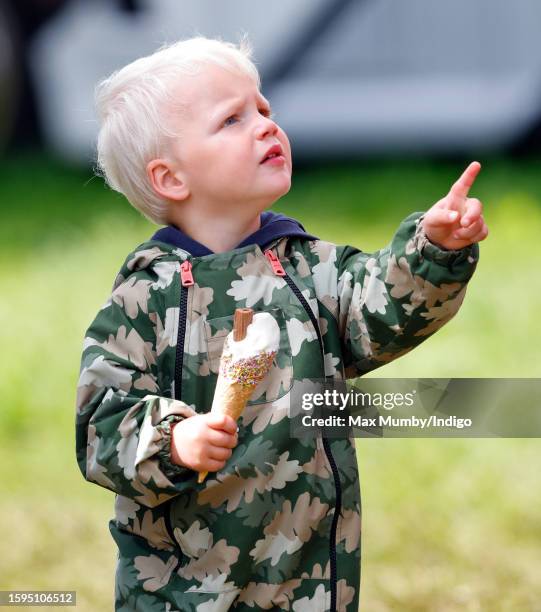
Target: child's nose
x,y
265,127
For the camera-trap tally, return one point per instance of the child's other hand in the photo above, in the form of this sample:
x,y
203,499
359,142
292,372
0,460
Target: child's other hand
x,y
203,442
456,221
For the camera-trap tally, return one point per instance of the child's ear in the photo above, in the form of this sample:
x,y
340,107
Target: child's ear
x,y
165,182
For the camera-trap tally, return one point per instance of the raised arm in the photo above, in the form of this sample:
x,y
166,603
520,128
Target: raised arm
x,y
392,300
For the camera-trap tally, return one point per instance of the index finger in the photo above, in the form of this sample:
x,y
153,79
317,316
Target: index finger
x,y
464,183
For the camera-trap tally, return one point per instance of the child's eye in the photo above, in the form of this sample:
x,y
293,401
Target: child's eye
x,y
266,112
226,122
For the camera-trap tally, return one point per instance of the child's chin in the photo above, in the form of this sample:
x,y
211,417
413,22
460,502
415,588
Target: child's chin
x,y
278,189
287,189
283,187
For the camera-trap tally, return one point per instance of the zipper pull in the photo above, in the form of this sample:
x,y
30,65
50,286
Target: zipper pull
x,y
275,263
186,277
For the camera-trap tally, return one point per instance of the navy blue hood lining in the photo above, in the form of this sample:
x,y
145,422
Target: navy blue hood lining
x,y
273,226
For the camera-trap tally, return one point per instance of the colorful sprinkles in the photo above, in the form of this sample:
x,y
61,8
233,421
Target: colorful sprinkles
x,y
248,372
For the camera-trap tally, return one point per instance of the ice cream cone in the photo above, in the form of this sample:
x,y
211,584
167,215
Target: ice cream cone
x,y
244,364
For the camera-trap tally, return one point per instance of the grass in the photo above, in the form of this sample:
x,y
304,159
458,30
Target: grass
x,y
447,524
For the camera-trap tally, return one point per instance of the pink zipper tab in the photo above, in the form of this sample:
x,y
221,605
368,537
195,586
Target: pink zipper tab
x,y
275,263
186,277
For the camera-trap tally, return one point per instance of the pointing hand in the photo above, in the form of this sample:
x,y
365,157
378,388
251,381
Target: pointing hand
x,y
456,221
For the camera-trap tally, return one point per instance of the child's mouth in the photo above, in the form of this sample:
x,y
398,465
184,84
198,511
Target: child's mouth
x,y
274,160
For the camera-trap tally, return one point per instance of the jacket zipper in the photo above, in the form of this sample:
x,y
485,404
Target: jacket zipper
x,y
278,269
186,279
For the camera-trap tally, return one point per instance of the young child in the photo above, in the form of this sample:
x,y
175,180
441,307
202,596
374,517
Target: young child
x,y
188,138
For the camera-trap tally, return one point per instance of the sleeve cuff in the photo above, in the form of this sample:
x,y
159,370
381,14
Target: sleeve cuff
x,y
440,255
170,469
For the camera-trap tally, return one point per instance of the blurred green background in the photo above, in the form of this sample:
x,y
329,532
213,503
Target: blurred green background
x,y
447,524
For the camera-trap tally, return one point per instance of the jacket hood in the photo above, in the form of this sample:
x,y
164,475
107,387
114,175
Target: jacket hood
x,y
167,241
273,226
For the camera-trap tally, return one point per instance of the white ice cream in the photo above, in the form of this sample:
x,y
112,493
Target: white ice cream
x,y
263,334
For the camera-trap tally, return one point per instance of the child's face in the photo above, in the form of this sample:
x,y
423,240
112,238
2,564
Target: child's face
x,y
225,134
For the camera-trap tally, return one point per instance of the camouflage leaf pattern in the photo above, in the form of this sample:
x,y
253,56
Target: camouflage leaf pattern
x,y
257,535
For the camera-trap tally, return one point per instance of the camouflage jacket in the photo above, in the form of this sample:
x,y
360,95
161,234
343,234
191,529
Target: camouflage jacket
x,y
279,527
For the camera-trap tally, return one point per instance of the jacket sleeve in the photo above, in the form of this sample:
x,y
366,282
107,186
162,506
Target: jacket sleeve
x,y
123,423
392,300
